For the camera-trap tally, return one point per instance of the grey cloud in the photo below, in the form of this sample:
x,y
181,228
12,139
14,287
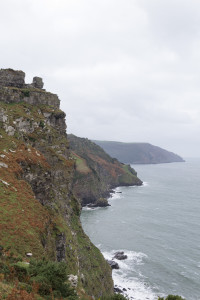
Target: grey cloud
x,y
124,70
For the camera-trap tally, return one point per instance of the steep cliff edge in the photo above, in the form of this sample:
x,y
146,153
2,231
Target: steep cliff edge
x,y
138,153
39,212
97,173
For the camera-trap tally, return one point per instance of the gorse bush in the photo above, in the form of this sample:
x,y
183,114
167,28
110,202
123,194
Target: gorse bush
x,y
46,278
51,278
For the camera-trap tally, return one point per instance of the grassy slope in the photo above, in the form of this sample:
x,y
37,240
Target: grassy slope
x,y
23,219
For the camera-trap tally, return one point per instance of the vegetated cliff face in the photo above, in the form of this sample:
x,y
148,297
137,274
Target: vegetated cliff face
x,y
39,212
97,173
138,153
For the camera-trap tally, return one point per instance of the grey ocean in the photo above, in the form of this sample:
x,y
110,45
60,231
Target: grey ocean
x,y
158,227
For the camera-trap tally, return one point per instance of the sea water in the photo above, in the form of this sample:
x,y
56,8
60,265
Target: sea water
x,y
158,226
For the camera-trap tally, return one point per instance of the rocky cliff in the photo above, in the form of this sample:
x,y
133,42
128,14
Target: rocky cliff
x,y
138,153
97,173
39,211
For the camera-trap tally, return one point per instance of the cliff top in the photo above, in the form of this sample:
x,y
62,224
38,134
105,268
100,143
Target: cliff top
x,y
13,89
15,78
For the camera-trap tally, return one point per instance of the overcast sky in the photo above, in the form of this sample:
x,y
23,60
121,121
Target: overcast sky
x,y
125,70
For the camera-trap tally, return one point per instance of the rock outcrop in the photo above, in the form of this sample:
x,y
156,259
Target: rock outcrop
x,y
113,264
120,255
9,77
37,82
40,214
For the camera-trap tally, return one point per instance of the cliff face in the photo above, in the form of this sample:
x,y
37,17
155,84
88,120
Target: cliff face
x,y
97,173
39,212
138,153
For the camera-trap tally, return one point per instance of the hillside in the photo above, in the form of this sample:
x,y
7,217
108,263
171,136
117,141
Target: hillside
x,y
39,214
138,153
97,173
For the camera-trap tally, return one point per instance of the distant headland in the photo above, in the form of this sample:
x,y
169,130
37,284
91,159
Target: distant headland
x,y
138,153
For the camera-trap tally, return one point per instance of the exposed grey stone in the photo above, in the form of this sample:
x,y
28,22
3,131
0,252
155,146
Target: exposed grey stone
x,y
9,130
34,97
37,82
73,279
60,247
120,255
10,77
3,165
113,264
3,116
118,290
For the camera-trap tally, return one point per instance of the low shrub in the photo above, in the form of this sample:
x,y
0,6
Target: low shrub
x,y
25,93
21,271
51,278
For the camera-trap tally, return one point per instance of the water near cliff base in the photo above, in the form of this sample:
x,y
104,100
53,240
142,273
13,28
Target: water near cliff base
x,y
158,226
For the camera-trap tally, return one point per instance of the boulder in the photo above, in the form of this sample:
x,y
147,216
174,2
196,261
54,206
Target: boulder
x,y
117,290
113,264
120,255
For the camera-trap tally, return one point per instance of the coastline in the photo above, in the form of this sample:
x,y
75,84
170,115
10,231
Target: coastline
x,y
124,283
153,219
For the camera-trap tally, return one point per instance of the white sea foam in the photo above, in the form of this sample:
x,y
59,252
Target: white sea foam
x,y
145,184
135,288
136,257
90,208
116,195
128,279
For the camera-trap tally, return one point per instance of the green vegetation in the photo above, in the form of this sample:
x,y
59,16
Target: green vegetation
x,y
81,165
51,277
45,278
41,124
171,297
25,92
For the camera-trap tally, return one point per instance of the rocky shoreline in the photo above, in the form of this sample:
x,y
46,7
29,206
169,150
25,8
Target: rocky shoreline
x,y
119,255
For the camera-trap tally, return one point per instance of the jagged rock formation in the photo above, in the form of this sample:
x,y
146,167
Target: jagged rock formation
x,y
37,82
138,153
40,215
9,77
97,173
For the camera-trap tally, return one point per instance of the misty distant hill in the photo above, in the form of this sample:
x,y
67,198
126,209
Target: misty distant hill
x,y
138,153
